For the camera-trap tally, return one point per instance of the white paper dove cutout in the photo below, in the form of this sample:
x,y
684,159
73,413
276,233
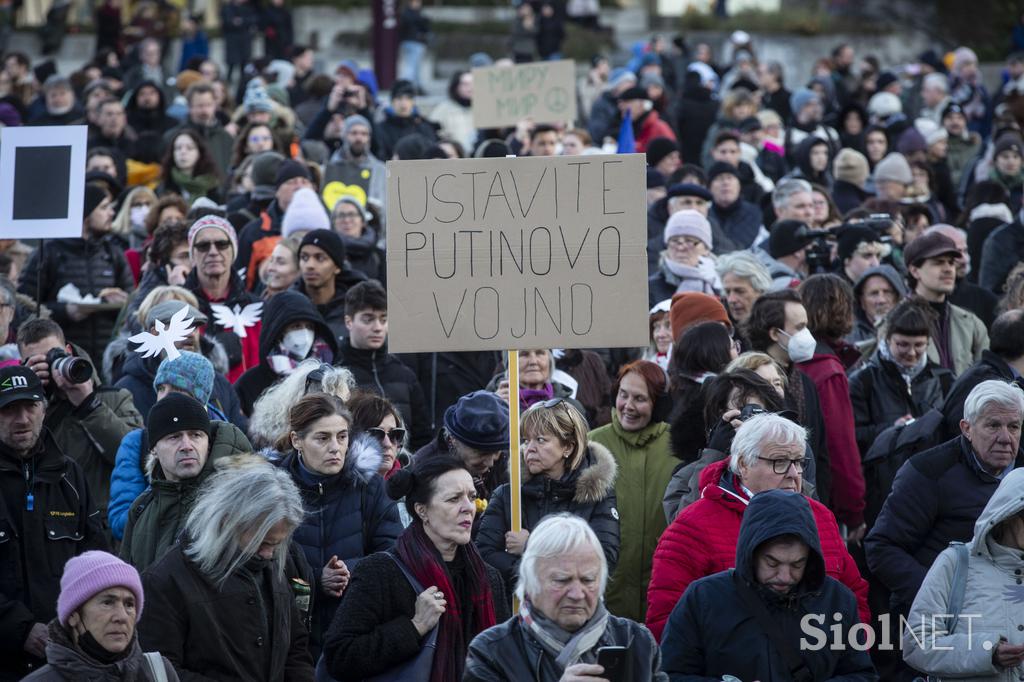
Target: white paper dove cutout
x,y
239,318
166,336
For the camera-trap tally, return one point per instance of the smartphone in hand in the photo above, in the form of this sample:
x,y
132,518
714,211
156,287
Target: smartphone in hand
x,y
615,661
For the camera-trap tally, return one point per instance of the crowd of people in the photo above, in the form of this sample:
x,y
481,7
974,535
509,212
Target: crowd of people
x,y
826,422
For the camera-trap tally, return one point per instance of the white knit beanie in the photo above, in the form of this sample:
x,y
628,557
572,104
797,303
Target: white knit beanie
x,y
306,213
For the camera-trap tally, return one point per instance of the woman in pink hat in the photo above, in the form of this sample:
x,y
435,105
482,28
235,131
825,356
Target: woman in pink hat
x,y
93,636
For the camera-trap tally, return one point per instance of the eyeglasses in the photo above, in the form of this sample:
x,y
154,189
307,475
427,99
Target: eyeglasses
x,y
219,244
260,138
781,466
345,215
396,436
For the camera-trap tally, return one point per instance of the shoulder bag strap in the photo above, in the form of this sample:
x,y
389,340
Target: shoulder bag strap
x,y
417,588
156,665
756,608
959,587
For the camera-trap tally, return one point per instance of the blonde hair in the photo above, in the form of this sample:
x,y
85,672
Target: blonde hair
x,y
269,421
754,360
122,223
561,420
168,292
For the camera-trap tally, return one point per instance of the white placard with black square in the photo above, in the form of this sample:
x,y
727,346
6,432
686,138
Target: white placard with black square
x,y
42,181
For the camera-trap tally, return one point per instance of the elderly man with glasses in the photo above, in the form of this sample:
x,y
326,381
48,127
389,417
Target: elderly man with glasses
x,y
768,453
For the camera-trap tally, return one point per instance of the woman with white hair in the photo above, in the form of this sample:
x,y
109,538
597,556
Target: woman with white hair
x,y
220,602
269,421
562,623
974,634
768,452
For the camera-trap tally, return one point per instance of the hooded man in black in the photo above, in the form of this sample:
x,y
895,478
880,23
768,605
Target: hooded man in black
x,y
147,110
716,628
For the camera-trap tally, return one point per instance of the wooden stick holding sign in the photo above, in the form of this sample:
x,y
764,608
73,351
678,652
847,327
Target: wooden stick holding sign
x,y
515,464
504,253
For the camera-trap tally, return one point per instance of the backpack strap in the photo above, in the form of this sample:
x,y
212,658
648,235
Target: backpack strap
x,y
156,665
959,586
756,609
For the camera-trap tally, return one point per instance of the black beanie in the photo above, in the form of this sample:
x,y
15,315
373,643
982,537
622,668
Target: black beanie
x,y
94,196
330,242
289,169
659,148
176,412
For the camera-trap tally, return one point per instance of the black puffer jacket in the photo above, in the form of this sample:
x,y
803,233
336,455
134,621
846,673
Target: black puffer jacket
x,y
36,543
880,395
347,515
384,374
446,377
283,309
588,492
393,128
90,264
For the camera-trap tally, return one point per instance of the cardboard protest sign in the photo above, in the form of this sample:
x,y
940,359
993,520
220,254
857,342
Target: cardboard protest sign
x,y
542,91
42,181
535,252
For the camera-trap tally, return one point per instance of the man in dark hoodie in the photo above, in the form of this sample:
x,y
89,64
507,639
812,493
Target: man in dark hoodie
x,y
292,331
364,353
876,292
326,276
751,622
147,110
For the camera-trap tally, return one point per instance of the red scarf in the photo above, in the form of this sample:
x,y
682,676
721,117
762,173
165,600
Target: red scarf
x,y
421,557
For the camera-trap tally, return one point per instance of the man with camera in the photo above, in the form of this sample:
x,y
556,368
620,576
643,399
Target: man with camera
x,y
47,516
87,420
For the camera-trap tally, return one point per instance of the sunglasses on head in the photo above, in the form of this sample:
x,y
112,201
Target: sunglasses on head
x,y
396,436
220,244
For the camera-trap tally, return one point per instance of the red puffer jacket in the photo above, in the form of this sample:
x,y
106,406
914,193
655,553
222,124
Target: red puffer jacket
x,y
702,541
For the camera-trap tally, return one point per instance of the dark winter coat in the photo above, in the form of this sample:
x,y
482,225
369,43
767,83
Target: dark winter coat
x,y
741,222
384,374
936,497
66,662
604,118
509,653
446,377
587,491
282,310
978,231
848,196
712,632
90,264
880,395
697,113
1003,249
990,366
278,34
238,24
348,515
975,299
393,128
157,515
372,629
226,633
365,256
36,543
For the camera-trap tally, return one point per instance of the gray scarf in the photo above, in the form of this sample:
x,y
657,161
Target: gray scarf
x,y
908,373
567,648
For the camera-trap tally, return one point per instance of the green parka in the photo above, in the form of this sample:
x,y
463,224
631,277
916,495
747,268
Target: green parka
x,y
645,469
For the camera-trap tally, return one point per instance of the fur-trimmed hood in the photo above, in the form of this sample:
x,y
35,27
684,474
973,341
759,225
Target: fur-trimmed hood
x,y
593,479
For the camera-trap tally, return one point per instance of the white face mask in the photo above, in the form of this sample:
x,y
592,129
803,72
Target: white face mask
x,y
298,342
138,215
801,345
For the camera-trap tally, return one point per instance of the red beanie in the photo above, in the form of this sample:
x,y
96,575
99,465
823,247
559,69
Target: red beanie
x,y
692,307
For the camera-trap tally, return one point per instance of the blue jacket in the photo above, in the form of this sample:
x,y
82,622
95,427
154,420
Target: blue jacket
x,y
348,515
711,632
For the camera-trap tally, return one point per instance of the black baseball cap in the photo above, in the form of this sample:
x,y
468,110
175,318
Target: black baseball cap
x,y
19,383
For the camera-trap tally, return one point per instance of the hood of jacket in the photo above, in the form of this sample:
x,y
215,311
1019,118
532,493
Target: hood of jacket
x,y
73,664
362,462
284,309
132,106
890,274
802,156
771,514
593,479
1007,500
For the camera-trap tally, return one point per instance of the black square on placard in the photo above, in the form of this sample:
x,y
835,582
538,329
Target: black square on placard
x,y
41,177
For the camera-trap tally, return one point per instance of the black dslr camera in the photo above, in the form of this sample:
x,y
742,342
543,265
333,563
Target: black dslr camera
x,y
74,370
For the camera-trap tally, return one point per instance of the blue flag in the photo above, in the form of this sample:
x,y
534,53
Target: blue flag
x,y
627,143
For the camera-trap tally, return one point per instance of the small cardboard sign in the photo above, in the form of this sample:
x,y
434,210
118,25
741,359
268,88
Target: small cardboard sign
x,y
535,252
42,181
542,91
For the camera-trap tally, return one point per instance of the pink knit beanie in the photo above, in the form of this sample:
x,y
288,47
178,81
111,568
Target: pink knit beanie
x,y
88,574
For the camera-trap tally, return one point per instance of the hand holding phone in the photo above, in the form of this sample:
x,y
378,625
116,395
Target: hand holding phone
x,y
615,661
